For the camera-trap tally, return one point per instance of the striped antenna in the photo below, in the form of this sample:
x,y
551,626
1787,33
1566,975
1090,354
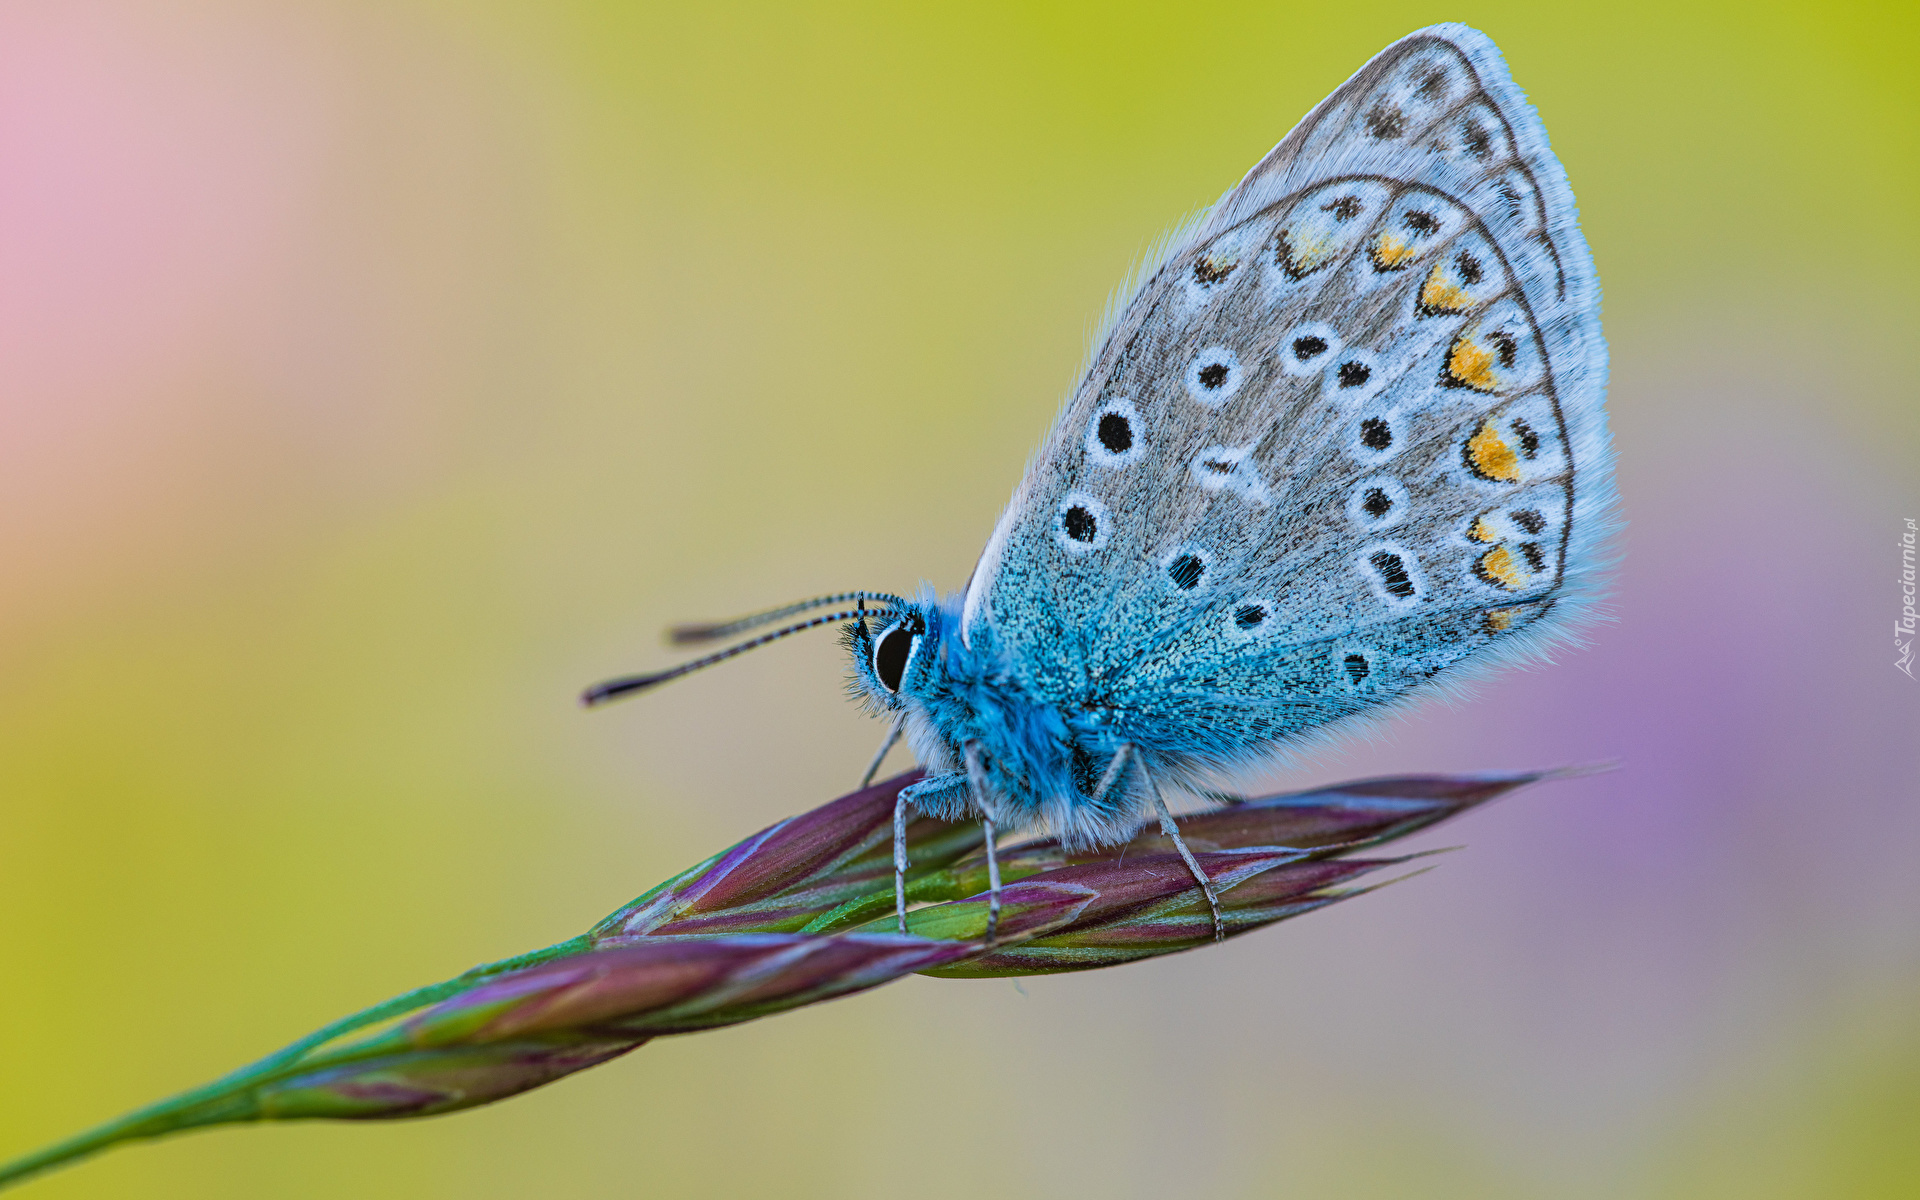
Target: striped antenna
x,y
626,685
682,635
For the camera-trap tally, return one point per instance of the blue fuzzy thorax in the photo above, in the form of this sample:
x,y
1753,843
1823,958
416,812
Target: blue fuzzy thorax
x,y
1043,761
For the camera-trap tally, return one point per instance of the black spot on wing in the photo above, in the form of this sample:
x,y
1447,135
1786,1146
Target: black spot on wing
x,y
1393,573
1185,572
1345,209
1386,122
1479,141
1529,440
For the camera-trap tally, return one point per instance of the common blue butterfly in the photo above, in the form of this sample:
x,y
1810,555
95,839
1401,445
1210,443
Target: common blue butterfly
x,y
1344,442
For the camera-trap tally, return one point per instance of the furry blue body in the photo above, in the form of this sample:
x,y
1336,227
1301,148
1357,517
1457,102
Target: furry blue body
x,y
1044,747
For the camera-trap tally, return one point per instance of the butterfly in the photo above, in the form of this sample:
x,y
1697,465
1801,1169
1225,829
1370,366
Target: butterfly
x,y
1344,444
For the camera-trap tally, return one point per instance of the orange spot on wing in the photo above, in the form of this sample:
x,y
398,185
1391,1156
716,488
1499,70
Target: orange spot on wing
x,y
1499,620
1304,252
1471,365
1497,566
1390,252
1439,294
1491,458
1482,532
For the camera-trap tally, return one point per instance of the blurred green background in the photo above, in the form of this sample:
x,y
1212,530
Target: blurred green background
x,y
378,374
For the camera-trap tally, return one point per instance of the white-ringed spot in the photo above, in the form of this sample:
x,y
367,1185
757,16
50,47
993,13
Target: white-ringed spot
x,y
1081,523
1393,573
1377,503
1187,569
1214,376
1113,435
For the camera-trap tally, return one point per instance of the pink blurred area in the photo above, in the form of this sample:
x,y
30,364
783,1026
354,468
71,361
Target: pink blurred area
x,y
230,278
155,187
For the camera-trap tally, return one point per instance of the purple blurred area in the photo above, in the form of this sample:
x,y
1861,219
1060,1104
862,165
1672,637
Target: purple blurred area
x,y
1608,949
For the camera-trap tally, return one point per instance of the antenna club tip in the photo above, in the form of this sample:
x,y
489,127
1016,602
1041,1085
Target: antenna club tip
x,y
613,689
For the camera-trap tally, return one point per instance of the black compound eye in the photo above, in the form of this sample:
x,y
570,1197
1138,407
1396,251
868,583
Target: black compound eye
x,y
890,656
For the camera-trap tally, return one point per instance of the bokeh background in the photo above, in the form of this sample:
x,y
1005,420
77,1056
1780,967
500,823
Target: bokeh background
x,y
374,375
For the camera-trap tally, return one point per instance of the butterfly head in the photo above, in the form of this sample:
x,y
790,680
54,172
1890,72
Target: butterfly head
x,y
894,653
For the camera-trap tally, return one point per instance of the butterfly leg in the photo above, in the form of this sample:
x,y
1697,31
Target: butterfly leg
x,y
1115,770
893,735
899,853
976,776
1172,830
929,795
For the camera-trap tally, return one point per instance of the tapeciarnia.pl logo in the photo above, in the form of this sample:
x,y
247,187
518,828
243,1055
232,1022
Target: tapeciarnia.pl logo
x,y
1903,628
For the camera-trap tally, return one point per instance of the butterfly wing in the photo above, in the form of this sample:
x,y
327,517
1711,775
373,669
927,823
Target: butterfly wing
x,y
1347,437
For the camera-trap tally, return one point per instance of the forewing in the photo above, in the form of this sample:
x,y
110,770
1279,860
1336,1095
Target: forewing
x,y
1346,436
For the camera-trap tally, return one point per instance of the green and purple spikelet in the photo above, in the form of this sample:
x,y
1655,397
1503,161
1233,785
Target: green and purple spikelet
x,y
802,912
